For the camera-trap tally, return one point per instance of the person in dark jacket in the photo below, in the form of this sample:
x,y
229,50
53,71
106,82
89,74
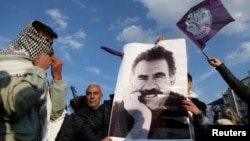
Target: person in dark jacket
x,y
197,109
77,103
217,115
74,122
234,83
96,127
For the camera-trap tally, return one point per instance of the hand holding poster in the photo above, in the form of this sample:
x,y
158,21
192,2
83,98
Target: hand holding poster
x,y
151,83
203,21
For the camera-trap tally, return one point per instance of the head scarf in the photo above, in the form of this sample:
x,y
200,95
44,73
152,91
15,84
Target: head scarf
x,y
29,44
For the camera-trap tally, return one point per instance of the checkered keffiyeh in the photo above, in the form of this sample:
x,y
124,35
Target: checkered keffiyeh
x,y
29,43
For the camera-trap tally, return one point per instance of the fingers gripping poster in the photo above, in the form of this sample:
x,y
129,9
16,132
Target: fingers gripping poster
x,y
152,81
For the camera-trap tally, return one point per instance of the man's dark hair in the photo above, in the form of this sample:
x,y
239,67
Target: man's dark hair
x,y
40,27
156,53
190,77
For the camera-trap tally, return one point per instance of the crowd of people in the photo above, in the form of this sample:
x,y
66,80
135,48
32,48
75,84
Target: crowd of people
x,y
33,109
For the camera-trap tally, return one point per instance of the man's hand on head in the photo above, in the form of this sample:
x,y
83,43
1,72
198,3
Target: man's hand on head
x,y
56,68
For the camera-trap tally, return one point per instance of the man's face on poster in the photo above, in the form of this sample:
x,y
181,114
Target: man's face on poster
x,y
151,79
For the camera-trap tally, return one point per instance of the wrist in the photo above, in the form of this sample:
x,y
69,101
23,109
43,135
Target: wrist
x,y
57,77
200,115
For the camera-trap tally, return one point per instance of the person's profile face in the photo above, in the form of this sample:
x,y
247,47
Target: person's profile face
x,y
47,38
151,78
189,86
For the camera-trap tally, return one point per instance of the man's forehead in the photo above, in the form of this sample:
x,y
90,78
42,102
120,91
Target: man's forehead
x,y
160,63
93,91
93,88
160,60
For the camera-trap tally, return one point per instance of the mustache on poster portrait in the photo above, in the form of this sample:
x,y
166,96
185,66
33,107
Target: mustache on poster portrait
x,y
150,92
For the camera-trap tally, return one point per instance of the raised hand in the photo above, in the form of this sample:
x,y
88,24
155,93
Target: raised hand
x,y
56,68
159,39
214,62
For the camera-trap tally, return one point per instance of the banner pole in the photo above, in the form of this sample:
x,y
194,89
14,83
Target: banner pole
x,y
205,54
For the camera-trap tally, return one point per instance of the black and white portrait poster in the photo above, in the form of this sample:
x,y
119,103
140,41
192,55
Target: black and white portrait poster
x,y
151,83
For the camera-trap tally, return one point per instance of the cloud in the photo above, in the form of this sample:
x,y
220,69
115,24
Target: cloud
x,y
79,3
241,16
107,87
59,19
96,20
166,16
120,23
80,34
67,56
161,10
241,55
135,34
74,41
93,70
206,75
166,13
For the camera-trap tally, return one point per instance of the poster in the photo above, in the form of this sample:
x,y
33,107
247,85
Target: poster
x,y
152,81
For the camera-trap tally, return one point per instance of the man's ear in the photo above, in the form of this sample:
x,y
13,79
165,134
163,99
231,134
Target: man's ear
x,y
172,79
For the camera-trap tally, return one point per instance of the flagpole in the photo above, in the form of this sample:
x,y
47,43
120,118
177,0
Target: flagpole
x,y
205,54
